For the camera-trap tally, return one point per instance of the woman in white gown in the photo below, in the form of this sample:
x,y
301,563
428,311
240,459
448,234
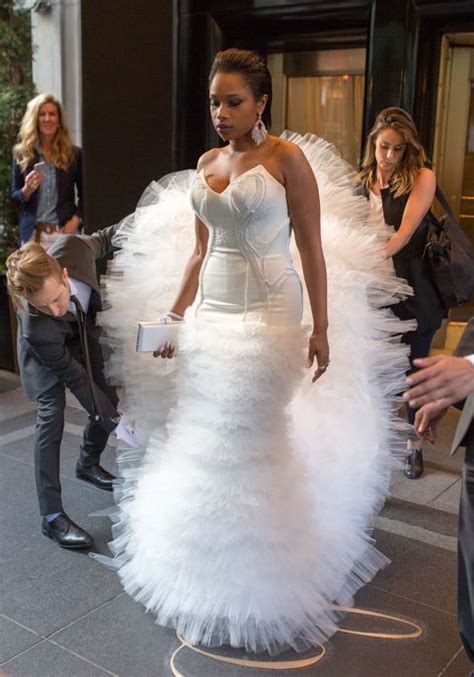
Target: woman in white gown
x,y
245,517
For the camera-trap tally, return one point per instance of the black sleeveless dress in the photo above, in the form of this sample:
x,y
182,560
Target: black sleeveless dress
x,y
425,305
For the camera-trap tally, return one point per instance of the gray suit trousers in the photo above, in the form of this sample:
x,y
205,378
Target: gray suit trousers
x,y
48,437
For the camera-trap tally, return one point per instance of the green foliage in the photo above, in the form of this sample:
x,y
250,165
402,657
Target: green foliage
x,y
16,89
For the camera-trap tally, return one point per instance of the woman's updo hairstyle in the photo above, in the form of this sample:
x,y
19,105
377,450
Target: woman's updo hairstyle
x,y
253,68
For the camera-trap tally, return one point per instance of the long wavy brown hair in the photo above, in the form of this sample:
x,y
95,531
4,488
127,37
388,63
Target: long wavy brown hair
x,y
62,146
414,158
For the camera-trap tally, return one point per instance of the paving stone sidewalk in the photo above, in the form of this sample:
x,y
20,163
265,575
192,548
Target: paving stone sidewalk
x,y
63,614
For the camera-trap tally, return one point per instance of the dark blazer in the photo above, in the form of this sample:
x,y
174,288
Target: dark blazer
x,y
425,305
464,436
49,348
66,206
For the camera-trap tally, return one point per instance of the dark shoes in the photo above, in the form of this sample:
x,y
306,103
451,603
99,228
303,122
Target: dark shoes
x,y
414,465
96,475
65,533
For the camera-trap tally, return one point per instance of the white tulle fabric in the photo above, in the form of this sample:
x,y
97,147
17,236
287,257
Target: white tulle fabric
x,y
245,518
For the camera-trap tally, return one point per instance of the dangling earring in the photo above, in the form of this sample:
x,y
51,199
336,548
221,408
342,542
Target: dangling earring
x,y
259,131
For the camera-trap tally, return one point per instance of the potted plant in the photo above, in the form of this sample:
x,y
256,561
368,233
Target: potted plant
x,y
16,88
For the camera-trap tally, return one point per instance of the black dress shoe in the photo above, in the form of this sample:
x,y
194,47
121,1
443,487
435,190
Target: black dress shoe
x,y
96,475
65,533
414,465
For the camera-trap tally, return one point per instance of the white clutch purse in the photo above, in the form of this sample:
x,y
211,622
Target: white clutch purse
x,y
152,335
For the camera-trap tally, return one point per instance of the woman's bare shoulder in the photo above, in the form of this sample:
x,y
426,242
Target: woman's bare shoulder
x,y
426,178
285,148
289,155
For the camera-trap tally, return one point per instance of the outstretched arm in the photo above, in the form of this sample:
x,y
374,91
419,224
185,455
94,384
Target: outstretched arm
x,y
102,241
303,203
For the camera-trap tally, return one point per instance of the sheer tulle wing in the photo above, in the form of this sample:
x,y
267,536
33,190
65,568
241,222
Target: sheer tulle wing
x,y
142,281
350,414
217,534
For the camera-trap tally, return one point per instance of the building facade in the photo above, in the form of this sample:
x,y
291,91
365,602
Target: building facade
x,y
133,79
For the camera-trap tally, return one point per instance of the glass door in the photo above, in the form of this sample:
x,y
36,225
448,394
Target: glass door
x,y
321,92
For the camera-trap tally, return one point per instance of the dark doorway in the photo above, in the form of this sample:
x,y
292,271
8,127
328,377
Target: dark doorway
x,y
262,26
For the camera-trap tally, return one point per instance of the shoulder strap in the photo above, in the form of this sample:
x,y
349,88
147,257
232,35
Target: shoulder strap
x,y
443,201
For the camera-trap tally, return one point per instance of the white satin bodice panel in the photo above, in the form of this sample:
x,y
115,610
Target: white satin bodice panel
x,y
248,273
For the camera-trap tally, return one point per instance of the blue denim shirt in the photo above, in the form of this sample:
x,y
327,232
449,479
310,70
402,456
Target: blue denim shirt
x,y
47,194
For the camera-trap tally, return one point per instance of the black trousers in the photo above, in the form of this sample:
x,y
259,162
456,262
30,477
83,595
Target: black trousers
x,y
419,342
48,437
466,551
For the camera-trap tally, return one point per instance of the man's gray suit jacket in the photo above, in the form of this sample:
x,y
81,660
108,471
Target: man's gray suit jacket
x,y
49,349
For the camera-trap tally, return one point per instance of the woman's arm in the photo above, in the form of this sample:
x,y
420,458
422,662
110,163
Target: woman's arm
x,y
23,187
17,184
75,222
418,204
189,283
303,203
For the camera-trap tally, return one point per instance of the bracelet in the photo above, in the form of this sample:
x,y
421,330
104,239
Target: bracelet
x,y
174,316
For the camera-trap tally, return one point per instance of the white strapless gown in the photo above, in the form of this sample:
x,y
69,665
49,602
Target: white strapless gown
x,y
245,517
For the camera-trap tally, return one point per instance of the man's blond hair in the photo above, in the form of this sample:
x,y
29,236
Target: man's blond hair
x,y
27,270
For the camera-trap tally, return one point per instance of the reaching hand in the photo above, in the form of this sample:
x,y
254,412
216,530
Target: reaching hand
x,y
427,419
319,349
442,377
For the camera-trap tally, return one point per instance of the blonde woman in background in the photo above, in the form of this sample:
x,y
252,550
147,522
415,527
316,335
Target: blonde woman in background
x,y
400,185
46,174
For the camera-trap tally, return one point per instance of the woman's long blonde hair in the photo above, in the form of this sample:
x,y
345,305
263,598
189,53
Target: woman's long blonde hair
x,y
62,146
413,159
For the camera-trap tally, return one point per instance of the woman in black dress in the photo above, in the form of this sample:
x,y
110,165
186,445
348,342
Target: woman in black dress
x,y
401,186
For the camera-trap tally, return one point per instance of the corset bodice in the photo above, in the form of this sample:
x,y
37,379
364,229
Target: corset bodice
x,y
248,272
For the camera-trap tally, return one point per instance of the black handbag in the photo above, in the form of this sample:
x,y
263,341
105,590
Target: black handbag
x,y
450,255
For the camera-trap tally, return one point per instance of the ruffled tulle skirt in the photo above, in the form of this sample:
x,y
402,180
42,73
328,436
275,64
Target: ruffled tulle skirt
x,y
245,518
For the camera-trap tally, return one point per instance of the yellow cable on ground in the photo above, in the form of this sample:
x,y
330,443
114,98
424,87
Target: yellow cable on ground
x,y
365,612
245,662
304,662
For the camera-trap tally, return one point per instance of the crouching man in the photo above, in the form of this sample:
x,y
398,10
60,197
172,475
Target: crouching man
x,y
57,296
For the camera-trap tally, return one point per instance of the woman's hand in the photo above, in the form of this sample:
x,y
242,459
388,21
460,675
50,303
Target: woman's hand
x,y
319,349
72,226
393,245
166,351
32,182
427,419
